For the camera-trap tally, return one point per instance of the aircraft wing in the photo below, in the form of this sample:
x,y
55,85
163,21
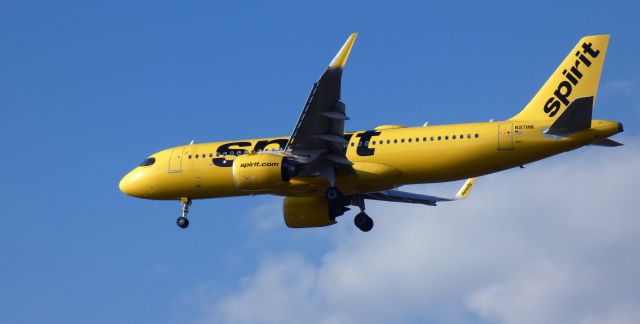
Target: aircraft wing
x,y
413,198
318,137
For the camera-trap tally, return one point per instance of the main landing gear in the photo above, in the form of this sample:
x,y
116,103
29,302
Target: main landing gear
x,y
362,221
182,221
338,205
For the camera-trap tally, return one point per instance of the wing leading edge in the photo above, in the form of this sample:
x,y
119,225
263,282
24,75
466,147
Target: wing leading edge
x,y
413,198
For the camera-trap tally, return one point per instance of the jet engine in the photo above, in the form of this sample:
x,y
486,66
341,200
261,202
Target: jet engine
x,y
307,212
254,172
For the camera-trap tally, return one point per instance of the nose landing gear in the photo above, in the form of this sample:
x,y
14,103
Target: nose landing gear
x,y
182,221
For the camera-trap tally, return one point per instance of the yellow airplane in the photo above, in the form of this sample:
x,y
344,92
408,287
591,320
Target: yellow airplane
x,y
321,170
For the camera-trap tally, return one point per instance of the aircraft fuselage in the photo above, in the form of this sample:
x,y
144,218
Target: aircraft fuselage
x,y
383,158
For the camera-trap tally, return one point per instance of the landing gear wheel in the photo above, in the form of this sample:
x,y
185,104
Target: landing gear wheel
x,y
363,222
182,222
333,194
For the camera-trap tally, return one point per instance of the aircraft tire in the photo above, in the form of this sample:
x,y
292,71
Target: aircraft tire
x,y
182,222
363,222
333,194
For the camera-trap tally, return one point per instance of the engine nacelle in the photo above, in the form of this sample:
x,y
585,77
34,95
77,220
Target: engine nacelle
x,y
306,212
255,172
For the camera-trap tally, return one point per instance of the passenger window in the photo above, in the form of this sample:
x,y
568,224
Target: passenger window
x,y
374,143
366,143
446,138
477,135
409,140
402,140
439,138
395,141
461,136
148,161
189,157
359,143
468,135
388,141
454,137
424,139
352,143
432,138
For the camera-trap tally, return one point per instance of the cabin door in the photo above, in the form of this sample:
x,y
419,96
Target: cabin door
x,y
505,136
175,161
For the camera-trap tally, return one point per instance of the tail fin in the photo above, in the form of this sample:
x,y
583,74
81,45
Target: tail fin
x,y
577,76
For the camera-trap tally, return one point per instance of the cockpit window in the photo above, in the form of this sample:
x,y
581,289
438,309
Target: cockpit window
x,y
148,162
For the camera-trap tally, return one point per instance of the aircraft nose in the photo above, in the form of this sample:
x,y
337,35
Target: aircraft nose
x,y
125,184
130,185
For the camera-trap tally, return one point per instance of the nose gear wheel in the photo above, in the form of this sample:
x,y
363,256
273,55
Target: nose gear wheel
x,y
182,221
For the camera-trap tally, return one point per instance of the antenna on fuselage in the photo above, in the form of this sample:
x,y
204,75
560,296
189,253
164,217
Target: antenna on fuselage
x,y
425,124
191,142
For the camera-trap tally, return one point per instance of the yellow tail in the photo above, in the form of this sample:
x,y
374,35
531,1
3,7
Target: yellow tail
x,y
577,76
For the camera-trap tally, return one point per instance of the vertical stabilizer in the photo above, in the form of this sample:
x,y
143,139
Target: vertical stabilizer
x,y
577,76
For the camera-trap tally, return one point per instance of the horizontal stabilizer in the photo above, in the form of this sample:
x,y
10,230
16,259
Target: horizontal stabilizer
x,y
413,198
575,118
606,142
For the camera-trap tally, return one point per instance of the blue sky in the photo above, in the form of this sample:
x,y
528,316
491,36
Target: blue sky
x,y
89,89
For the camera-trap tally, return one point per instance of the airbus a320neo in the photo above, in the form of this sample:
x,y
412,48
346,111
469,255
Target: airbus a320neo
x,y
320,169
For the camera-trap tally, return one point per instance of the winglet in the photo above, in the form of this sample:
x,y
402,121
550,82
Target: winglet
x,y
340,59
465,189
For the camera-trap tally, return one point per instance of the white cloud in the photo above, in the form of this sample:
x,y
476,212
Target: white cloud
x,y
266,216
284,282
618,86
556,242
